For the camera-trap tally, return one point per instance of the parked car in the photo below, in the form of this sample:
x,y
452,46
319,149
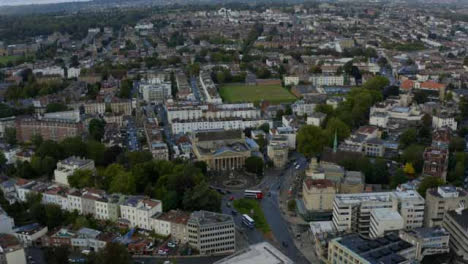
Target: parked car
x,y
285,244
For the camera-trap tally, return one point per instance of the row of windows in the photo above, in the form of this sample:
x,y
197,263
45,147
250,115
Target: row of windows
x,y
216,239
217,245
218,233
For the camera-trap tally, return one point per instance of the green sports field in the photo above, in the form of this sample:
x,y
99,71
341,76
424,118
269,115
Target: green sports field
x,y
232,93
6,59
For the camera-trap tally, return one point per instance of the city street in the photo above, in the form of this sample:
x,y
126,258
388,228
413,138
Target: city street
x,y
281,229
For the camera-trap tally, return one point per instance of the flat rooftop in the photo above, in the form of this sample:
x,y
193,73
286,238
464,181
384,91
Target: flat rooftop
x,y
382,250
364,197
261,253
208,218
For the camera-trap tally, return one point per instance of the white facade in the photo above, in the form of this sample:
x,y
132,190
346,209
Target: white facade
x,y
53,70
442,121
28,237
138,211
231,124
410,205
384,220
326,80
156,92
291,80
73,72
215,111
75,202
67,167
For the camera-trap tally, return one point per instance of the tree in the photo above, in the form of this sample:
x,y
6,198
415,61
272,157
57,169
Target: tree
x,y
341,128
74,146
3,160
397,179
311,140
429,182
414,154
254,165
408,137
125,89
55,107
457,144
96,129
409,169
81,179
123,182
57,255
201,197
95,151
113,253
265,127
376,83
292,205
10,135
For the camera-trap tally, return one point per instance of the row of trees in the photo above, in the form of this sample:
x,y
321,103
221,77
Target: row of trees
x,y
164,180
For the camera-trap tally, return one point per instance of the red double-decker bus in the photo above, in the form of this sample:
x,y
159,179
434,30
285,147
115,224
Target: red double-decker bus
x,y
257,194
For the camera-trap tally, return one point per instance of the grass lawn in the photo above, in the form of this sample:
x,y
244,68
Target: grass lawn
x,y
246,206
6,59
275,94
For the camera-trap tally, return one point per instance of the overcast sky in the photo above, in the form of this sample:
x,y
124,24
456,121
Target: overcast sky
x,y
29,2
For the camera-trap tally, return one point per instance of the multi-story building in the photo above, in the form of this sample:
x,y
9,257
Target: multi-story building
x,y
231,123
6,222
208,90
410,205
87,238
138,210
221,150
108,207
30,235
173,223
441,200
287,132
156,92
428,241
456,223
444,119
357,249
74,200
261,253
12,252
435,162
94,108
353,211
278,151
327,80
121,106
211,233
70,165
384,220
318,195
49,129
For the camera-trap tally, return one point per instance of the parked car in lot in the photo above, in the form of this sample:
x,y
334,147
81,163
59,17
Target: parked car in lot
x,y
162,252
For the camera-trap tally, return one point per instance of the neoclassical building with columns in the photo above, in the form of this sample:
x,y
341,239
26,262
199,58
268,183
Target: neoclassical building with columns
x,y
221,150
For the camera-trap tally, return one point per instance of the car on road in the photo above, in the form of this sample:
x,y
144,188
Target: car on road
x,y
285,244
228,204
297,166
171,244
231,198
233,212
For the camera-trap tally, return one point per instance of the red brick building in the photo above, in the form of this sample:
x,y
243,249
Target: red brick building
x,y
49,129
435,162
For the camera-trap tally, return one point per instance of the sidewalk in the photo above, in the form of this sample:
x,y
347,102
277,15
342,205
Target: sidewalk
x,y
302,239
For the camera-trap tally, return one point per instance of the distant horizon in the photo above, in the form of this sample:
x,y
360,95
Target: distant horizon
x,y
36,2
